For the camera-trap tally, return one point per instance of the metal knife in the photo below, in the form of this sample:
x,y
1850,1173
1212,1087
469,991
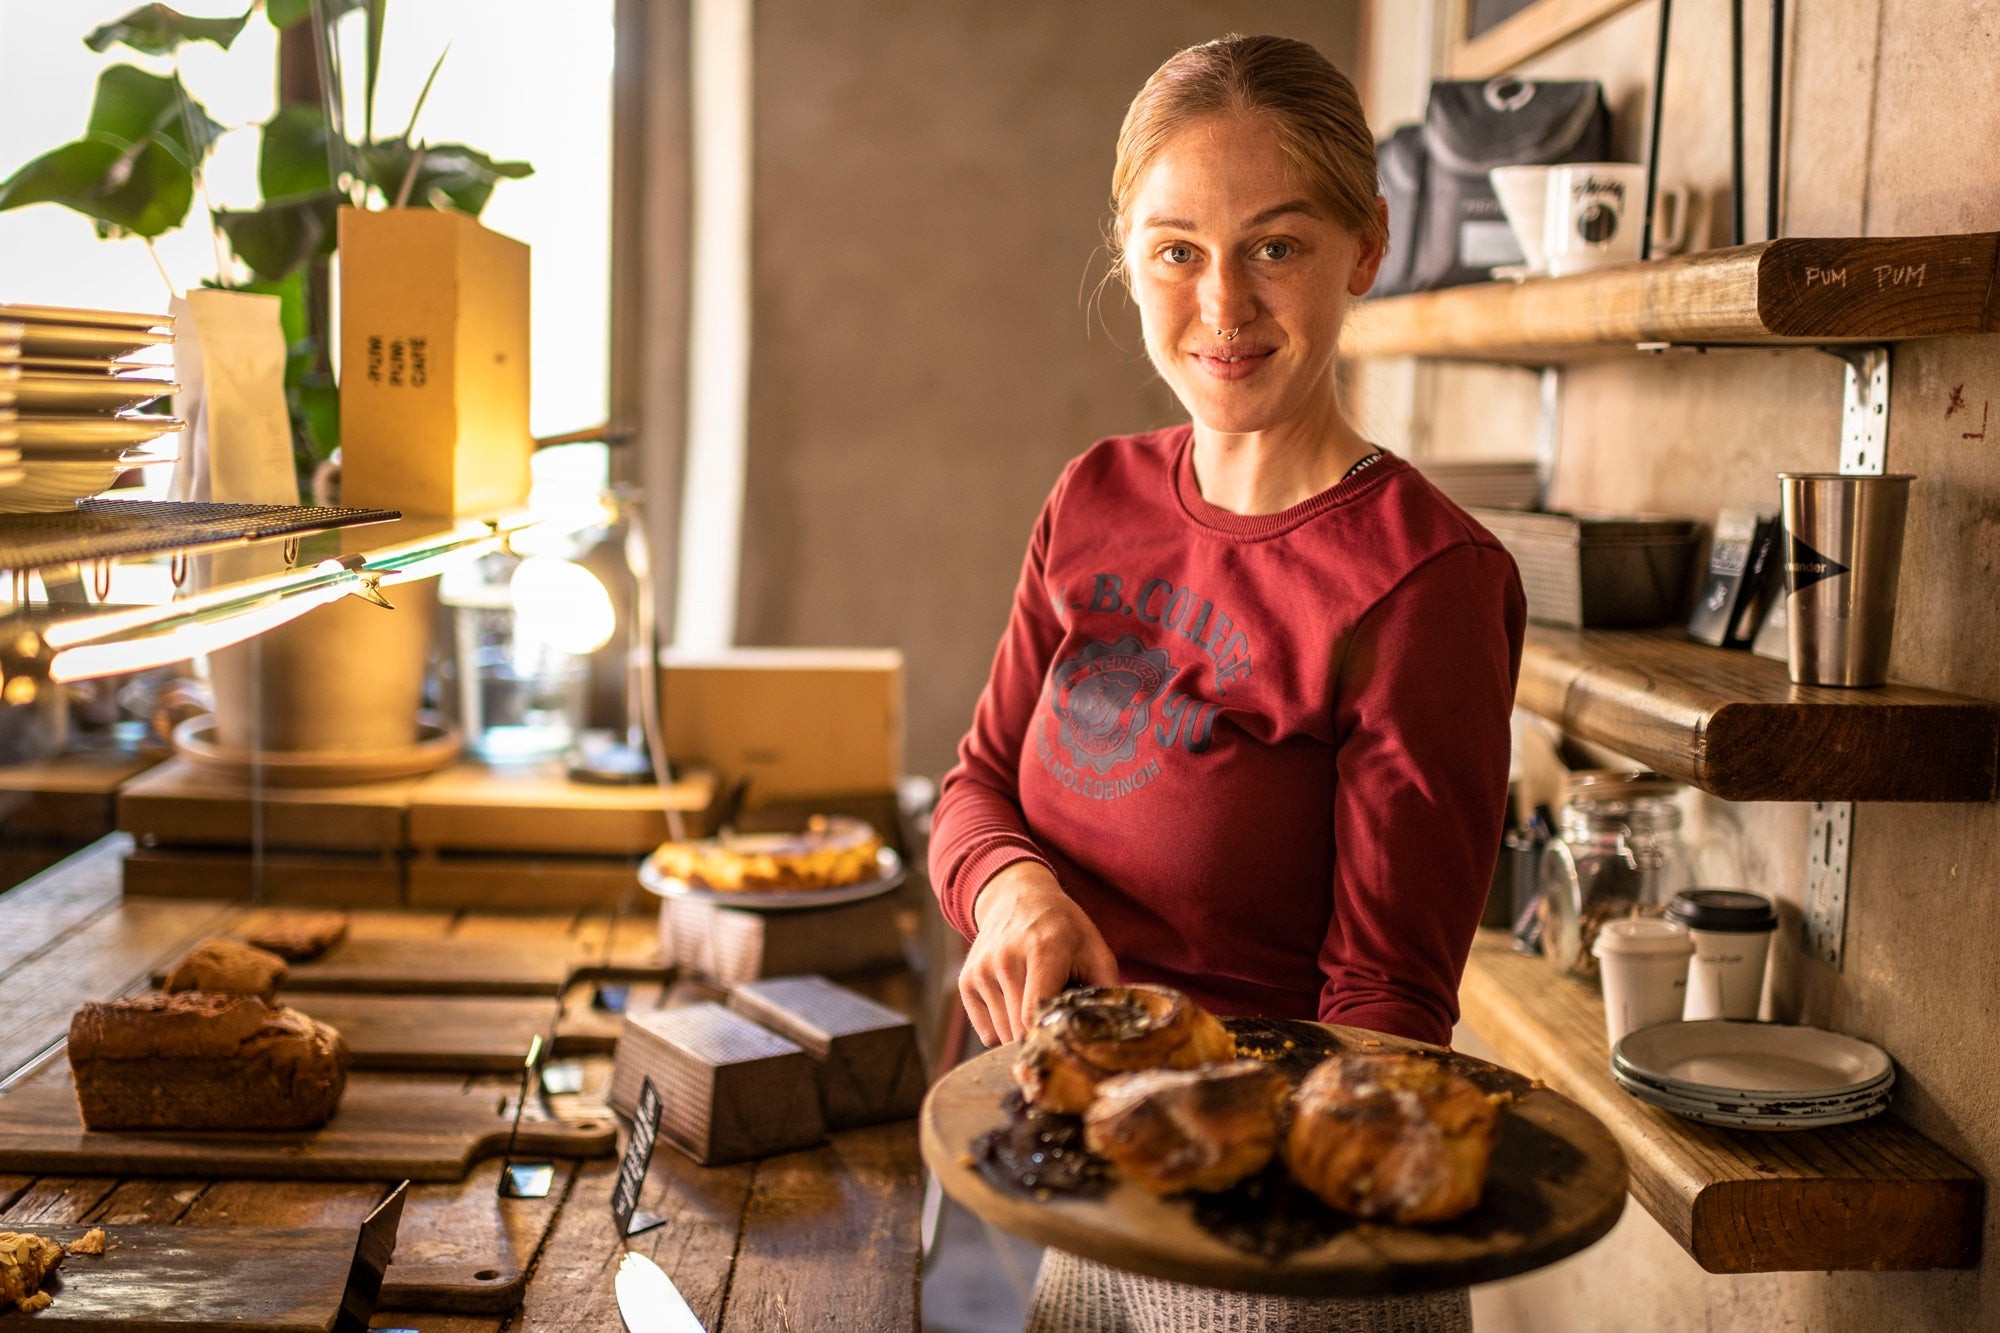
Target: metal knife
x,y
649,1302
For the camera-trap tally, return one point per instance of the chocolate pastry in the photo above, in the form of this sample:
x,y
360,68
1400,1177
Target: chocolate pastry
x,y
296,937
1086,1035
197,1061
24,1261
228,967
1169,1130
1392,1137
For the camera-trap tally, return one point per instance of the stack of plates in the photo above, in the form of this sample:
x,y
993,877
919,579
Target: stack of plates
x,y
1754,1075
1486,484
68,427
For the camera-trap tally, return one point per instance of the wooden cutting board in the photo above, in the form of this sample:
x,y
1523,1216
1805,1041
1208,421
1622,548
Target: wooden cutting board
x,y
454,966
1557,1184
389,1127
155,1279
450,1034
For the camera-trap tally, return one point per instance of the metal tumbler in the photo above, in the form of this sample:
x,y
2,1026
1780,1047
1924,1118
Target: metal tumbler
x,y
1843,553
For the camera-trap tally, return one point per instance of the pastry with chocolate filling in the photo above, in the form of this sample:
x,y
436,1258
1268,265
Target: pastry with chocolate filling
x,y
296,937
1396,1138
1169,1130
24,1261
228,967
197,1062
1084,1036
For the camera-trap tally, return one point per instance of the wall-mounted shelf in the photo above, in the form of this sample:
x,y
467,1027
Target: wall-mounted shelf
x,y
1792,291
1733,724
1876,1195
120,529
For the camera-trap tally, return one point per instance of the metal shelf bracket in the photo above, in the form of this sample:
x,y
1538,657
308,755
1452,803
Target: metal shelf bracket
x,y
1864,410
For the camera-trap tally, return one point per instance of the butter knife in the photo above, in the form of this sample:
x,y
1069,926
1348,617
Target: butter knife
x,y
648,1300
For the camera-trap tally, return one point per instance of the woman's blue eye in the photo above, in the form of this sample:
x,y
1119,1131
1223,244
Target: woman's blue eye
x,y
1178,254
1277,249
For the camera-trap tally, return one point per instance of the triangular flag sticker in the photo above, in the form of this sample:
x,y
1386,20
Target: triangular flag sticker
x,y
1807,566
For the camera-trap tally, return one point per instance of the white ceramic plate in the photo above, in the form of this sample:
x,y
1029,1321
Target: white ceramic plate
x,y
47,487
59,314
1767,1123
80,393
85,434
1753,1097
1774,1104
1728,1057
887,862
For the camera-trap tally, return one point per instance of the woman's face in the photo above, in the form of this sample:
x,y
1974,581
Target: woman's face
x,y
1224,236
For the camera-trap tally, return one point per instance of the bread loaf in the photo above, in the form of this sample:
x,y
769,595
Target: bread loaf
x,y
296,937
197,1061
228,967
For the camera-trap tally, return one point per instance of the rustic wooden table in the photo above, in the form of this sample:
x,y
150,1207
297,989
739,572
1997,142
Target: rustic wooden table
x,y
826,1239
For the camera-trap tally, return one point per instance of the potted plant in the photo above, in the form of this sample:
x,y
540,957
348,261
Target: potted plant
x,y
344,677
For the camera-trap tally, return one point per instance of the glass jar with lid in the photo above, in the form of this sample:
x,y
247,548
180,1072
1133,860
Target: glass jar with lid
x,y
1617,852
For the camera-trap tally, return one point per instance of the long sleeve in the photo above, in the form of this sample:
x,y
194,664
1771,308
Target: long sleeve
x,y
977,828
1421,709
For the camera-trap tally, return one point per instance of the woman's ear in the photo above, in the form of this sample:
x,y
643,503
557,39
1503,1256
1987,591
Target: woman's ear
x,y
1372,253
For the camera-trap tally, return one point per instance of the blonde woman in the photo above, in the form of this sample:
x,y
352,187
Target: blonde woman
x,y
1246,733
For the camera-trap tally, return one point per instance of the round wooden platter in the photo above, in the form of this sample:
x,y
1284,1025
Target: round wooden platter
x,y
1557,1184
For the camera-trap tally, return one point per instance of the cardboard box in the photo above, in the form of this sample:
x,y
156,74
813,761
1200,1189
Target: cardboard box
x,y
797,722
433,363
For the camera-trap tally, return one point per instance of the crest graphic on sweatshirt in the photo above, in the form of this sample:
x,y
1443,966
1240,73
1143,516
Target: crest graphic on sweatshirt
x,y
1103,696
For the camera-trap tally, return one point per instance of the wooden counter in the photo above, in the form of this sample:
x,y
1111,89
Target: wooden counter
x,y
826,1238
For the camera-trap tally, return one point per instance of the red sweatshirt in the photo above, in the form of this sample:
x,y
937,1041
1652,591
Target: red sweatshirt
x,y
1267,755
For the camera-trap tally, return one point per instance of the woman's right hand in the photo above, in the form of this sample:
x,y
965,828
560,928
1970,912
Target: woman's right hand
x,y
1032,941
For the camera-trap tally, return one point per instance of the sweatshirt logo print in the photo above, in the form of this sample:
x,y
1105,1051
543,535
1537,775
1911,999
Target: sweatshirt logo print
x,y
1103,697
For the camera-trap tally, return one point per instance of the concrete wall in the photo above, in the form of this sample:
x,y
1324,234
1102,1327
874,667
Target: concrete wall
x,y
1890,130
930,180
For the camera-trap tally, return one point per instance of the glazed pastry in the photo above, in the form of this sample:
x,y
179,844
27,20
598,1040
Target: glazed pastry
x,y
1084,1036
24,1261
831,852
296,937
228,967
1169,1130
196,1061
1397,1138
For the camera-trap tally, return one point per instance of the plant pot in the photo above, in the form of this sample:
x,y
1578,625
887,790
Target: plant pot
x,y
342,678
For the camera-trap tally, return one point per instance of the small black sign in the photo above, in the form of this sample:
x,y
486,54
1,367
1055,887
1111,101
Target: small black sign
x,y
632,1171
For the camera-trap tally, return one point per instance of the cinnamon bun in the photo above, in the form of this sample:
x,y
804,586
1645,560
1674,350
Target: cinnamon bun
x,y
1392,1137
1084,1036
1169,1130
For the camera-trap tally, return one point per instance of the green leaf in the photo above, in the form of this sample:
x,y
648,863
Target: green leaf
x,y
156,30
282,235
293,317
143,189
284,13
293,157
317,405
450,175
134,106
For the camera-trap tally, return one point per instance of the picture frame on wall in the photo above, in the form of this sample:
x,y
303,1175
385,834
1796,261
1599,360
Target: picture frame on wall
x,y
1490,37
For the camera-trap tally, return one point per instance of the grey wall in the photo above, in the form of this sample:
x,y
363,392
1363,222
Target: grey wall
x,y
929,182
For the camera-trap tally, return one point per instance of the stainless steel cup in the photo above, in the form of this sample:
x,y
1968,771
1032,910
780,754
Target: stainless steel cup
x,y
1843,553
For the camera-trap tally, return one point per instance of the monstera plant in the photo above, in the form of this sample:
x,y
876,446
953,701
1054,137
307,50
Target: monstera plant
x,y
137,170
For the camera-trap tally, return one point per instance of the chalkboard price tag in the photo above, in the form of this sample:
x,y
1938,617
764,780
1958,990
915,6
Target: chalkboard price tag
x,y
632,1171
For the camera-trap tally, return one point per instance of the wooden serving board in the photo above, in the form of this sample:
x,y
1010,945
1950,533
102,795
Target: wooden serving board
x,y
389,1127
450,1034
457,966
1557,1184
155,1279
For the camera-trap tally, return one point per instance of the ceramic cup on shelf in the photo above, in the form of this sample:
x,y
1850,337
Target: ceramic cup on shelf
x,y
1731,931
1524,194
1593,213
1643,961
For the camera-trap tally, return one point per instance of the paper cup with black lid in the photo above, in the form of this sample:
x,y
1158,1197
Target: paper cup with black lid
x,y
1643,963
1732,933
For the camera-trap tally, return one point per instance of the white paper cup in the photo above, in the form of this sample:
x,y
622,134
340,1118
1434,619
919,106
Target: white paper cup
x,y
1643,962
1523,193
1732,934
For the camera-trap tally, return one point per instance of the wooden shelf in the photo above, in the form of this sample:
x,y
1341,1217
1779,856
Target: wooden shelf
x,y
1733,724
1791,291
1876,1195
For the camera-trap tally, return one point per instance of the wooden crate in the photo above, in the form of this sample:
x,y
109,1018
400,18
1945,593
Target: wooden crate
x,y
730,946
729,1089
537,809
176,805
526,883
865,1058
291,879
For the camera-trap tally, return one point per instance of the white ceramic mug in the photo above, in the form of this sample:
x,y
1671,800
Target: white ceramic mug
x,y
1592,213
1523,193
1643,962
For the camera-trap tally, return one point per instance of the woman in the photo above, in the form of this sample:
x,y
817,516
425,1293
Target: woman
x,y
1246,734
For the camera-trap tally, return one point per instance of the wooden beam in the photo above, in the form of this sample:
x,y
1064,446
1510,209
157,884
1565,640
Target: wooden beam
x,y
1528,34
